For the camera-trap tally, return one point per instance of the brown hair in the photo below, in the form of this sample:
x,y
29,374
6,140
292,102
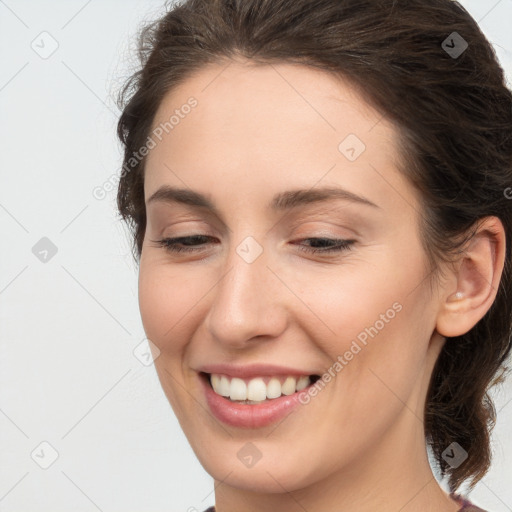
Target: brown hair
x,y
454,115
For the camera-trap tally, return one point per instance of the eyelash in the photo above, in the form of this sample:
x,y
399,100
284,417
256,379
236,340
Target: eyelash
x,y
171,244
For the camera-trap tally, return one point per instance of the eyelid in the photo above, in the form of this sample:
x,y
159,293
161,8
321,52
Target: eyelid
x,y
183,229
176,245
310,214
338,233
164,216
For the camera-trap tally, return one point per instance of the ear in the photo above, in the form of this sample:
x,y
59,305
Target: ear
x,y
472,288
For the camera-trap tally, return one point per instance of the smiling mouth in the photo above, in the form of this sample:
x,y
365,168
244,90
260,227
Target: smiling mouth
x,y
257,390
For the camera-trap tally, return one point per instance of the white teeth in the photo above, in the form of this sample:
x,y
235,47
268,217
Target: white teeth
x,y
288,388
255,390
224,386
303,382
215,381
273,388
238,390
220,384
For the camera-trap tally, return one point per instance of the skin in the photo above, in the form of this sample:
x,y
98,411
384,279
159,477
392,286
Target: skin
x,y
359,444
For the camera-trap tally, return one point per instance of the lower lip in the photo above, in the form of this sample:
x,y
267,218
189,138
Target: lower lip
x,y
246,415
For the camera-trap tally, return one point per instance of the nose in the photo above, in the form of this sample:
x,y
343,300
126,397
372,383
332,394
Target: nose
x,y
248,302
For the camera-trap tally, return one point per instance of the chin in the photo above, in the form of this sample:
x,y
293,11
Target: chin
x,y
265,476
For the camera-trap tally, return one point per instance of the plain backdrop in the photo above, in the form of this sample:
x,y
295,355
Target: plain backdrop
x,y
84,424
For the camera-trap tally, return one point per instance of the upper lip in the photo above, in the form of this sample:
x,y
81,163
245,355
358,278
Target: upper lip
x,y
250,371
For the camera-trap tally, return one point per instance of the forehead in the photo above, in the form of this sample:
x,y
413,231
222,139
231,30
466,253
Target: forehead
x,y
284,122
259,90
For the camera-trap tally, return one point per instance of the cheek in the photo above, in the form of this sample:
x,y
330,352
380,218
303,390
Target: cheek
x,y
374,323
165,306
163,302
352,303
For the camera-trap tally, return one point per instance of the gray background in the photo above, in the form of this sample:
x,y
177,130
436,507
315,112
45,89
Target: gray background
x,y
72,370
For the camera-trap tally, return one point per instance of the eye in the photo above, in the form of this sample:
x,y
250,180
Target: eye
x,y
326,245
196,243
183,243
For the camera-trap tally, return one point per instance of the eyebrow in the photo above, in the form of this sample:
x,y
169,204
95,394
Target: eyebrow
x,y
280,202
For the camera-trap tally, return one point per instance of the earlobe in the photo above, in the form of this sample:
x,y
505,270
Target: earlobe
x,y
477,277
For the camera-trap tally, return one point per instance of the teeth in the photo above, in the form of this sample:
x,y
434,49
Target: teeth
x,y
238,390
273,388
220,384
258,389
224,386
303,382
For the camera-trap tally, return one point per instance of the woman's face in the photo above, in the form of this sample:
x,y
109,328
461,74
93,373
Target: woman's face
x,y
252,291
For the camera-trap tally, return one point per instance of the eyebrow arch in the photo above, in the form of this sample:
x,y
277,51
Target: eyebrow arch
x,y
280,202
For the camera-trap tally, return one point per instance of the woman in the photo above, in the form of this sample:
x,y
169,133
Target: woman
x,y
319,197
